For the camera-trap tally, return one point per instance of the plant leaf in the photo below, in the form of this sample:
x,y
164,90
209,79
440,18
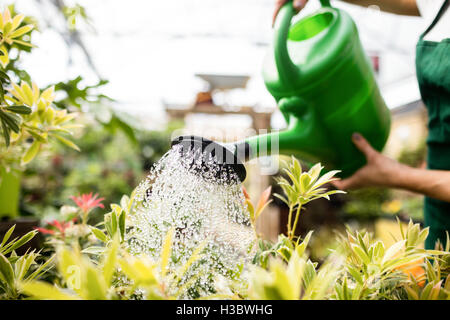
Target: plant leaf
x,y
23,240
7,235
21,31
94,250
393,250
6,270
18,109
67,142
43,290
31,152
99,234
6,133
122,220
110,260
95,287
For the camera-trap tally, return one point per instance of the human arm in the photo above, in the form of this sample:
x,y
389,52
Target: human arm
x,y
401,7
382,171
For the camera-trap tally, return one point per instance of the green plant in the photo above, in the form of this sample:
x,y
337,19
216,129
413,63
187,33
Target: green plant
x,y
282,248
13,29
42,123
83,278
302,188
118,275
28,118
72,225
54,176
15,269
298,279
435,289
360,268
373,271
436,275
114,223
38,120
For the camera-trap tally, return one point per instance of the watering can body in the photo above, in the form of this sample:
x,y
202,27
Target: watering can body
x,y
325,87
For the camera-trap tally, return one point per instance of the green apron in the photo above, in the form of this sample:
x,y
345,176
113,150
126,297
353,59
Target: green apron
x,y
433,74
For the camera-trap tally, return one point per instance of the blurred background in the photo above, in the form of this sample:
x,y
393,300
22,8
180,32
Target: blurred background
x,y
140,70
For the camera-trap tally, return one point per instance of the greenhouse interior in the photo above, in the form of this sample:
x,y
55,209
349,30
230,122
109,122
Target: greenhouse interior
x,y
224,150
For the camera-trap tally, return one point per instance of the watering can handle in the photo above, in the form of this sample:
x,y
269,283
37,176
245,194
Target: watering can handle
x,y
287,70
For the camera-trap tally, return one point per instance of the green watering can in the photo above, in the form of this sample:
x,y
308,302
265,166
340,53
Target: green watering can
x,y
325,87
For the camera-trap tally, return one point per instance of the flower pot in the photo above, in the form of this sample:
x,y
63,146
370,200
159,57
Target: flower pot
x,y
9,192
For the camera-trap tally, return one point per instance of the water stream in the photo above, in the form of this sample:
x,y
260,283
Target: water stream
x,y
204,209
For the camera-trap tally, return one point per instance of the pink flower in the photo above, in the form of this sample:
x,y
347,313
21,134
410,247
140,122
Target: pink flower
x,y
87,202
60,226
45,231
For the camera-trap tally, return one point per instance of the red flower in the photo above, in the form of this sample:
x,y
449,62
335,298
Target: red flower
x,y
61,226
87,202
45,231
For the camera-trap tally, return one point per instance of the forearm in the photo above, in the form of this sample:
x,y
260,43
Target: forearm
x,y
403,7
432,183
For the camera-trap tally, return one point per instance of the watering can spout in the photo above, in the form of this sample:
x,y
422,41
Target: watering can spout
x,y
304,137
199,153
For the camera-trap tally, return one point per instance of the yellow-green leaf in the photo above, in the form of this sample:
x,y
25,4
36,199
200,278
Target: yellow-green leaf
x,y
27,94
251,210
95,286
360,253
412,295
302,246
70,267
17,20
48,94
4,59
31,152
43,290
109,264
66,142
21,31
6,270
99,234
23,43
393,250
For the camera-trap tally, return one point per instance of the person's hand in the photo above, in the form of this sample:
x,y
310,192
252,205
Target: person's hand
x,y
298,5
378,171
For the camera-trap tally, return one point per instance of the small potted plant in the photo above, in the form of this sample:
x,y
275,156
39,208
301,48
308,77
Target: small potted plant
x,y
28,120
